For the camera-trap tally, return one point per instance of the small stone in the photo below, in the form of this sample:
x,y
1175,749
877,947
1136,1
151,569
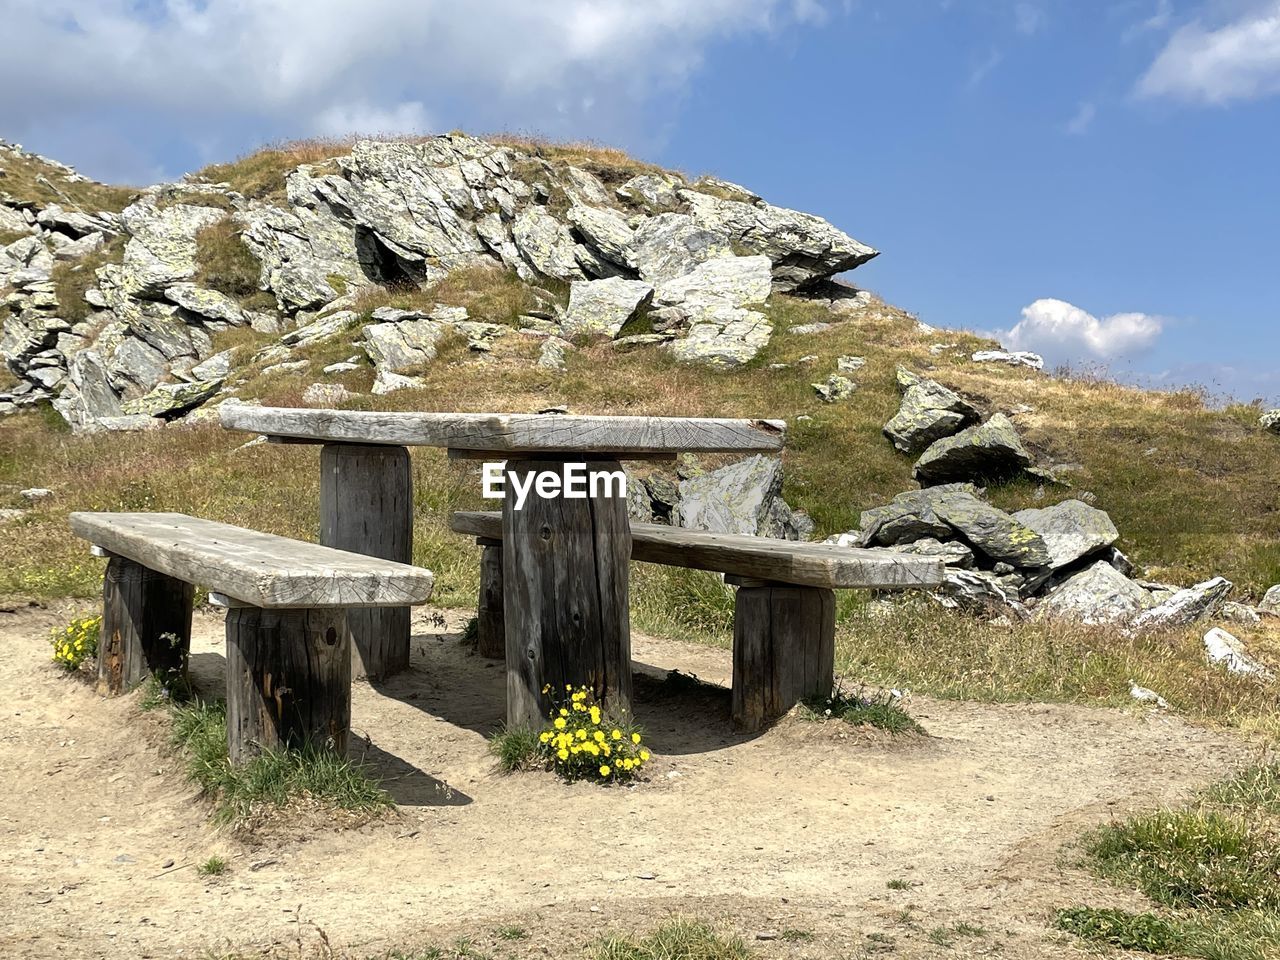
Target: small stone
x,y
1187,606
1019,358
1271,601
1270,421
850,364
835,389
1224,650
35,494
328,395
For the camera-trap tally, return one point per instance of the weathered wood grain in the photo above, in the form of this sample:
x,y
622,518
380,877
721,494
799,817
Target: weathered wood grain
x,y
366,506
565,579
259,569
146,627
510,433
491,629
288,680
785,561
783,650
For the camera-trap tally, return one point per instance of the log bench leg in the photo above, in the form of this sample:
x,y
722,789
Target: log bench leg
x,y
491,630
288,680
783,648
564,567
146,627
366,506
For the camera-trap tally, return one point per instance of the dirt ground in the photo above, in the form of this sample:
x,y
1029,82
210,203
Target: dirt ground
x,y
788,838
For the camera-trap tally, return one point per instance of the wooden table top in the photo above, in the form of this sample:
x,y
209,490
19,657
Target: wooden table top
x,y
512,433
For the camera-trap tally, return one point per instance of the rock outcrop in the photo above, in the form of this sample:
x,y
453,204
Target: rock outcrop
x,y
696,259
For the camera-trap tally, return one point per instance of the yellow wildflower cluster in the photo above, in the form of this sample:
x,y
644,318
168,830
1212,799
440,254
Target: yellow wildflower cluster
x,y
583,743
76,642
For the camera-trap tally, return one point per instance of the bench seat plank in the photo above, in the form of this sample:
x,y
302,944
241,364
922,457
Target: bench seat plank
x,y
784,561
258,569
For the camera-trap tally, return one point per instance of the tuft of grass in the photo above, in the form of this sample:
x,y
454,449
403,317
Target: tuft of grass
x,y
1240,935
511,933
1255,788
225,263
898,884
261,174
215,866
881,710
274,778
516,748
675,940
1119,928
1202,859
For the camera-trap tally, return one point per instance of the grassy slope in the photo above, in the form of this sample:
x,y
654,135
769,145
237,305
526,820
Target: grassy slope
x,y
30,179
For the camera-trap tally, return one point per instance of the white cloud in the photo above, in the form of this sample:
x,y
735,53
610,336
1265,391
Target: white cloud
x,y
215,72
984,67
1082,120
1239,60
1062,332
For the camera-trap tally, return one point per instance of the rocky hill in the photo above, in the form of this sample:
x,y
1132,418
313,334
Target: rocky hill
x,y
115,315
460,273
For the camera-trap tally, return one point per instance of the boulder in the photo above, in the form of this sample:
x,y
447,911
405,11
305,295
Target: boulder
x,y
1097,595
929,412
216,367
603,307
206,304
1222,649
327,395
552,354
387,382
724,337
907,519
991,531
981,590
1187,606
1239,613
990,451
744,497
1019,358
952,554
329,325
802,248
1271,601
652,192
1072,530
605,231
670,245
162,245
835,388
546,244
402,344
170,400
722,281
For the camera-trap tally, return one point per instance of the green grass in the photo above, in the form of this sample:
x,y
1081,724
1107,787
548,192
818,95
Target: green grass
x,y
898,884
225,263
73,278
215,866
675,940
515,749
272,779
881,710
1212,867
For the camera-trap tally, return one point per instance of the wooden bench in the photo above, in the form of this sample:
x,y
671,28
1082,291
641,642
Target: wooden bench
x,y
288,642
784,610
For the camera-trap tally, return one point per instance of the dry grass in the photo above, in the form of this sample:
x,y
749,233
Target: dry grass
x,y
1203,503
610,164
30,179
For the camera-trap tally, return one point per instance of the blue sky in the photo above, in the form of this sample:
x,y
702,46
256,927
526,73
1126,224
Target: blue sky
x,y
1095,181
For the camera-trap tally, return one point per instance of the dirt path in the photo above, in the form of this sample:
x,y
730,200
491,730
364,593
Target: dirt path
x,y
796,830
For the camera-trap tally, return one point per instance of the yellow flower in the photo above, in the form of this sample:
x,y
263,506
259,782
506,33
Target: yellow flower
x,y
644,755
606,750
560,724
635,738
562,754
564,712
617,734
543,738
599,736
604,770
595,714
581,734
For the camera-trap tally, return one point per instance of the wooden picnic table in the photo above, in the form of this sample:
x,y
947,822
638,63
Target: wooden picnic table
x,y
565,560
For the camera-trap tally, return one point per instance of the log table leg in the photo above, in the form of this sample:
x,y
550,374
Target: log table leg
x,y
491,631
565,572
783,648
366,506
146,627
288,680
